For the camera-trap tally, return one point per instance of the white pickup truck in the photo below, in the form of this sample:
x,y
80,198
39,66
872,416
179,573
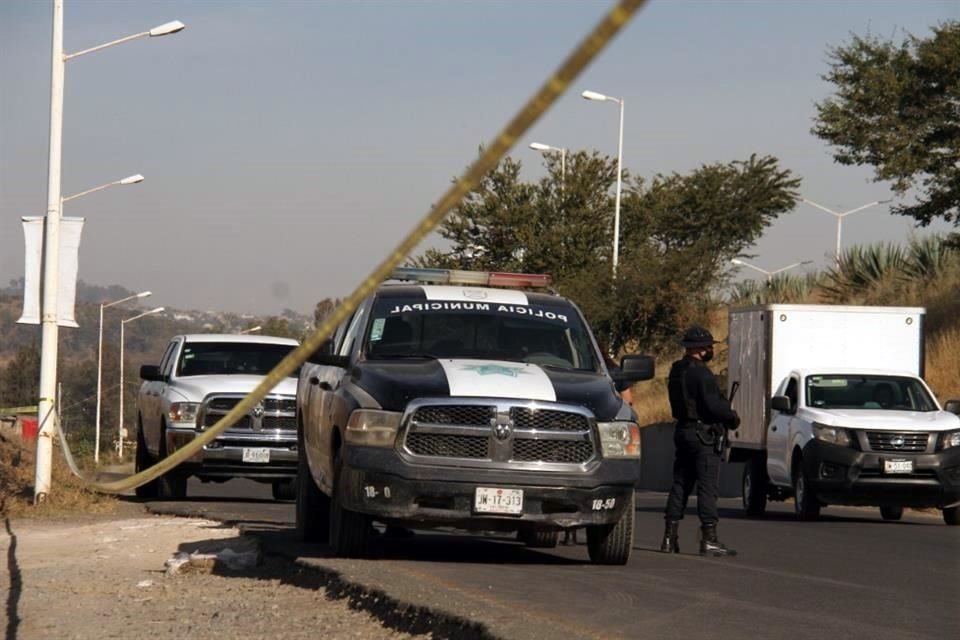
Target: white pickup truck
x,y
835,411
200,378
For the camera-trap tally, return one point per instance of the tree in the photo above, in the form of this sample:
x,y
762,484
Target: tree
x,y
323,309
896,109
19,379
279,327
677,237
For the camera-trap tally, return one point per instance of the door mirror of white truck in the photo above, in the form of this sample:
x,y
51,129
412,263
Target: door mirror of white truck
x,y
151,373
953,406
781,404
634,368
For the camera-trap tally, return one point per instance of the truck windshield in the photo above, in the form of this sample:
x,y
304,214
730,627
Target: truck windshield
x,y
553,336
230,358
889,393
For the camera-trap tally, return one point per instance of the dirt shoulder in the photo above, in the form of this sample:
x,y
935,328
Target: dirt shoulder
x,y
104,577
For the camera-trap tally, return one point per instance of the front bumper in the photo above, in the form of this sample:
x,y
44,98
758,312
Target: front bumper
x,y
378,483
844,475
223,458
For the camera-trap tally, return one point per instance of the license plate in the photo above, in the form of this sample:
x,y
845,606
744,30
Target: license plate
x,y
493,500
256,455
897,465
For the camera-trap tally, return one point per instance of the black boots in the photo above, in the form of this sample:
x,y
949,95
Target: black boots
x,y
670,543
710,546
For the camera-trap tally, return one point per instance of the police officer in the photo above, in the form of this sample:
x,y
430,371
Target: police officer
x,y
703,414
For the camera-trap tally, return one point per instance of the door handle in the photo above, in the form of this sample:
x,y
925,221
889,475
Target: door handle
x,y
773,428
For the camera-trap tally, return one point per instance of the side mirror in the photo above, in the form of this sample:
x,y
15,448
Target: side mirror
x,y
953,406
781,404
330,360
151,373
634,368
325,349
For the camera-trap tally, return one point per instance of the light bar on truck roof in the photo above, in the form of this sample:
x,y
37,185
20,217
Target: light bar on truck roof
x,y
474,278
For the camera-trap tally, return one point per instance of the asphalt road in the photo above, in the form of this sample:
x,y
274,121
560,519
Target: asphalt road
x,y
848,575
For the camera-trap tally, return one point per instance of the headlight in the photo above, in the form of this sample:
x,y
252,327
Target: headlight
x,y
373,428
619,439
950,439
183,411
833,435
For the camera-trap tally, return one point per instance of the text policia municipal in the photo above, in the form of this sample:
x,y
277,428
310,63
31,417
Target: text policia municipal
x,y
478,306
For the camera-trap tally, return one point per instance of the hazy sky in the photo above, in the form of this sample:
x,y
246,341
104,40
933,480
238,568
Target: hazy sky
x,y
287,145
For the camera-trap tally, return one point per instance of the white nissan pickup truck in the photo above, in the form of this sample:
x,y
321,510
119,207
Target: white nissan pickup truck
x,y
835,411
200,378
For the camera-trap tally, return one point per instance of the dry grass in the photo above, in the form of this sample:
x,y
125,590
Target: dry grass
x,y
943,364
68,494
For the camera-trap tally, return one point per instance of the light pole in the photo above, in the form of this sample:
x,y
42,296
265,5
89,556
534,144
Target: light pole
x,y
593,95
546,148
840,215
123,323
96,442
51,249
251,329
769,274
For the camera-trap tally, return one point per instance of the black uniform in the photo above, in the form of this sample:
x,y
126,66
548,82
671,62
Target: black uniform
x,y
702,414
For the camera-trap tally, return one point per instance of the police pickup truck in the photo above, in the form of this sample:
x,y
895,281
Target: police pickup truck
x,y
459,399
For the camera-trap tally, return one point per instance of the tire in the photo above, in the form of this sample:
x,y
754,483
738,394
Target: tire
x,y
349,531
754,487
891,513
951,516
284,489
171,485
144,461
312,506
538,539
612,543
805,502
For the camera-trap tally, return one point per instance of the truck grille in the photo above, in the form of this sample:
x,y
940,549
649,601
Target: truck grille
x,y
279,414
448,446
497,432
548,419
552,451
898,442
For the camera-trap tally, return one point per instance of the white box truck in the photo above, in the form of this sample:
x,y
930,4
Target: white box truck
x,y
834,410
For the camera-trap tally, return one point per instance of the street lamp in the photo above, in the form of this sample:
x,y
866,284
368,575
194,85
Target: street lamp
x,y
769,274
546,148
96,445
123,323
251,329
593,95
51,241
134,179
840,215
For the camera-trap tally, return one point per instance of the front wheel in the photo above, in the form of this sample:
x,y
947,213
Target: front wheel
x,y
805,502
754,487
951,516
171,485
891,513
142,462
349,531
313,505
611,543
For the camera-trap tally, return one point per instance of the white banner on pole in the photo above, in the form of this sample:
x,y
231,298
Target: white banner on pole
x,y
70,230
